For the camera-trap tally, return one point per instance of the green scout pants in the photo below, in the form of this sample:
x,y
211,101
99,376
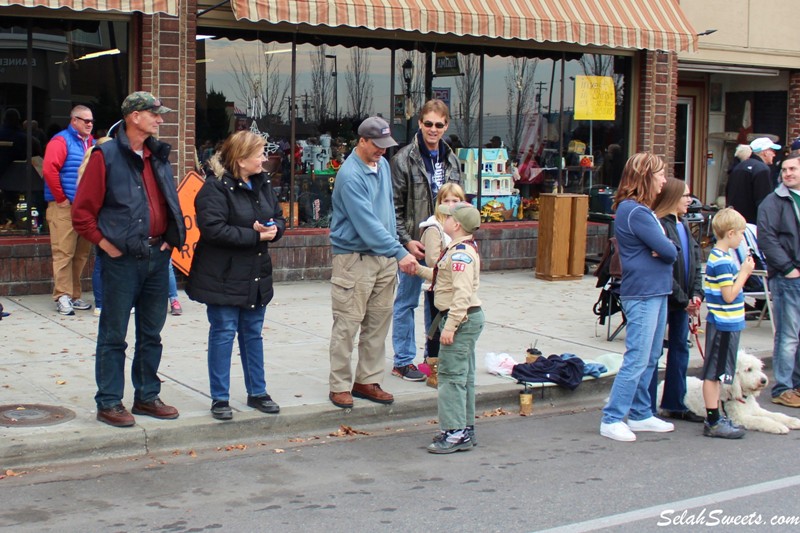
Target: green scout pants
x,y
457,375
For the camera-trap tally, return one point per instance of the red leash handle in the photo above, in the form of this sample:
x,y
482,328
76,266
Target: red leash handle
x,y
694,328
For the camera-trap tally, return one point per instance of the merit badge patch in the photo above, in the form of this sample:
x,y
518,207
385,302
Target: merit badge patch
x,y
459,267
461,256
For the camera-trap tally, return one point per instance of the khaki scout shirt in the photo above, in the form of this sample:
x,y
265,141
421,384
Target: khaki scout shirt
x,y
457,281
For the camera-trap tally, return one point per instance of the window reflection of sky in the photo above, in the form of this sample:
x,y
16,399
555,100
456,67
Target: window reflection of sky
x,y
222,56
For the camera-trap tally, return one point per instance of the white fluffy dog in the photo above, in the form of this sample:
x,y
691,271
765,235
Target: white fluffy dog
x,y
739,398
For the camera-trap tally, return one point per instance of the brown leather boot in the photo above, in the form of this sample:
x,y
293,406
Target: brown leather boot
x,y
433,378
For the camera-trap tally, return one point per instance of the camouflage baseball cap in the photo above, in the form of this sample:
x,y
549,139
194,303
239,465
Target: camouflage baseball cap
x,y
143,101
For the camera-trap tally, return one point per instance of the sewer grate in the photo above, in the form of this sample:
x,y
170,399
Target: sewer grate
x,y
26,414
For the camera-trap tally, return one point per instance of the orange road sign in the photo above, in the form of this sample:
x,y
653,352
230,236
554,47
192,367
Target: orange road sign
x,y
187,191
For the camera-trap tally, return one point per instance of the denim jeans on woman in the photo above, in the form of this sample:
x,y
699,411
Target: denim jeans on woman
x,y
227,322
677,364
644,334
786,317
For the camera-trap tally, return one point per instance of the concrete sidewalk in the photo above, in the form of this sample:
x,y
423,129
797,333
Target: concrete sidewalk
x,y
48,359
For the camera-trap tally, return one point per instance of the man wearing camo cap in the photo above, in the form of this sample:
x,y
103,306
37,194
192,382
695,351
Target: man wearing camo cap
x,y
128,206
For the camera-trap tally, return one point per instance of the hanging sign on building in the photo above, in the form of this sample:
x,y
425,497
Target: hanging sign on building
x,y
187,191
595,98
447,64
443,94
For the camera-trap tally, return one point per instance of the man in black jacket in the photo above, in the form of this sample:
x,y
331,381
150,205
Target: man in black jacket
x,y
418,170
750,181
779,241
128,206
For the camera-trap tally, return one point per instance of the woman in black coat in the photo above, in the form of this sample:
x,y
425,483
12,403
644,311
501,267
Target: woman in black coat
x,y
687,293
237,215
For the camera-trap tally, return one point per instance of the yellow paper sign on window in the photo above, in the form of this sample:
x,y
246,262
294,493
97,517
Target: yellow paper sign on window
x,y
594,98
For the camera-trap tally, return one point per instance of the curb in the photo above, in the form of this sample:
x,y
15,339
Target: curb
x,y
198,430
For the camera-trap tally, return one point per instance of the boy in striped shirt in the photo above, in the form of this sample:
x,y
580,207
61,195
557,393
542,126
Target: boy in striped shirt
x,y
725,301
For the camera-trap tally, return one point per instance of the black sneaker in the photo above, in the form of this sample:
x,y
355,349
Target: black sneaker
x,y
221,410
264,404
449,443
723,429
471,433
408,373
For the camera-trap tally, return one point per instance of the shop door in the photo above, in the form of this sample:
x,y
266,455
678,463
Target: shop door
x,y
684,139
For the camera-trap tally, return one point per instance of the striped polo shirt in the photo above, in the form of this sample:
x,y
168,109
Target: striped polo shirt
x,y
721,271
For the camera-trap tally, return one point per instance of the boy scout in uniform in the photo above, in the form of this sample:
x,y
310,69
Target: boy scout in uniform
x,y
455,280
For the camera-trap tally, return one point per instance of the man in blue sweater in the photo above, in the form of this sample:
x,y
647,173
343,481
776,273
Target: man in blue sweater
x,y
366,254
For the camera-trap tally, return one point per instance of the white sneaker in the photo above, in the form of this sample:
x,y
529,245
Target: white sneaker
x,y
64,305
617,431
651,424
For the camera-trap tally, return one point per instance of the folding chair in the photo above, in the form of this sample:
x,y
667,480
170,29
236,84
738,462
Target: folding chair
x,y
751,243
614,299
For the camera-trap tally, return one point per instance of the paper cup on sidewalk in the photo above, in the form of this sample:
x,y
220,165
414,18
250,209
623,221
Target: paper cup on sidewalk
x,y
526,403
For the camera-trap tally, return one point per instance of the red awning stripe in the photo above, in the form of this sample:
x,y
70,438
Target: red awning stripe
x,y
149,7
638,24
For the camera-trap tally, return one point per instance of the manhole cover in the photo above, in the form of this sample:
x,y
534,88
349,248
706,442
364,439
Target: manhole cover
x,y
27,414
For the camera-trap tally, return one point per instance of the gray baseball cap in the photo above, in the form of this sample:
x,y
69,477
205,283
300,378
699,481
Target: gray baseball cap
x,y
378,131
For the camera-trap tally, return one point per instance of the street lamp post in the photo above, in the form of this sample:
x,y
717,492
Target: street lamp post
x,y
335,76
408,75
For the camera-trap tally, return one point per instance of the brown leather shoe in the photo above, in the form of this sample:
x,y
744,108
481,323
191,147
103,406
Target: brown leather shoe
x,y
341,399
372,392
116,416
155,408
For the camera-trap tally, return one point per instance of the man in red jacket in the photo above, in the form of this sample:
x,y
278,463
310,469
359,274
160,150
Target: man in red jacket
x,y
70,251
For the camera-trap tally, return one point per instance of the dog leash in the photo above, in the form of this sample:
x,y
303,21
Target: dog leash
x,y
694,329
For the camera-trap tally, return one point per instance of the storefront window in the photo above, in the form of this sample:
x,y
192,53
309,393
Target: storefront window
x,y
534,135
68,59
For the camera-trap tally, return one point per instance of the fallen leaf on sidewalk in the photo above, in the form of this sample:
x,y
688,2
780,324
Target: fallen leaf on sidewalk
x,y
297,439
278,450
347,431
497,412
192,453
232,447
61,382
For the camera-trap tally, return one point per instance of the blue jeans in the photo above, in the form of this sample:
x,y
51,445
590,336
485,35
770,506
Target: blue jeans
x,y
406,299
786,317
630,394
97,279
173,285
140,283
97,282
227,321
677,363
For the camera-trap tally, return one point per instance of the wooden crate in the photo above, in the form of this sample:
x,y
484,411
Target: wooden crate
x,y
561,252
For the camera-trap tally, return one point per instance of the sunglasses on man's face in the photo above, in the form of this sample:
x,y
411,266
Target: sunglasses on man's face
x,y
86,120
439,125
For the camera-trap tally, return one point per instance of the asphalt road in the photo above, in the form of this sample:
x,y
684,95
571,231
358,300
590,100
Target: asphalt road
x,y
527,474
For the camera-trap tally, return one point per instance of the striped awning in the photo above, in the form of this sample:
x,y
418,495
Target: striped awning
x,y
632,24
148,7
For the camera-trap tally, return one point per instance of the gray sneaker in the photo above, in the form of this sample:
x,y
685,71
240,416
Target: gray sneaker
x,y
723,429
408,373
80,305
448,443
64,305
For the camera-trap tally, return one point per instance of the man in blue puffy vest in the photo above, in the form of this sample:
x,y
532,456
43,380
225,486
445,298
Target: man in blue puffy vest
x,y
128,206
62,159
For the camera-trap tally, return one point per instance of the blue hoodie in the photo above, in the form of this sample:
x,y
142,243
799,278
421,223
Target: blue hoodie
x,y
363,219
639,234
